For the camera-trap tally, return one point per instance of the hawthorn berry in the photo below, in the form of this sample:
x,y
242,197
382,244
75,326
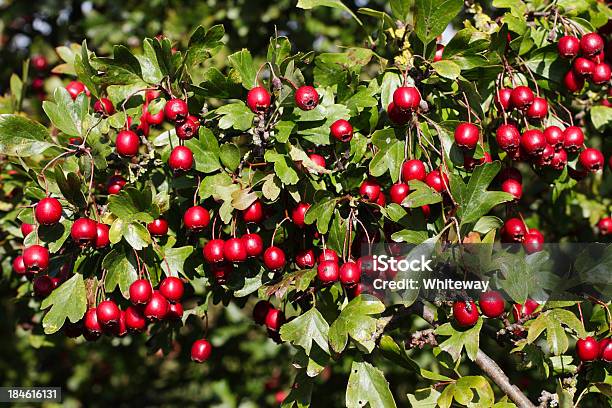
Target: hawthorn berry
x,y
605,226
397,116
48,211
234,250
413,170
437,180
605,350
533,241
508,137
175,311
102,236
398,192
115,184
108,313
154,119
601,74
35,258
469,162
274,258
253,244
466,314
328,272
554,137
188,128
514,230
181,159
513,187
572,82
573,139
176,110
84,231
158,227
127,143
75,88
104,106
201,350
43,286
19,266
39,62
258,99
591,44
533,141
502,99
583,67
298,214
306,98
587,349
538,109
157,307
213,251
328,255
196,218
591,159
317,159
521,97
492,304
559,160
525,310
274,319
370,189
568,46
467,135
406,98
350,273
305,259
141,292
342,130
260,311
172,289
90,322
254,213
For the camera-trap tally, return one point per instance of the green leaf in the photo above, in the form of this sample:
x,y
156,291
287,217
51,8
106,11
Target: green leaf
x,y
242,62
22,137
305,329
601,117
69,300
400,9
132,204
301,392
120,265
230,156
432,16
367,385
67,115
421,195
174,259
136,235
447,69
70,187
474,200
205,151
235,115
309,4
552,322
321,213
355,321
468,338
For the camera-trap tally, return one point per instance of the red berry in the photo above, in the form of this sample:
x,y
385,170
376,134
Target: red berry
x,y
298,214
158,227
260,311
196,218
514,230
601,74
587,349
502,99
19,266
437,180
521,97
305,259
510,173
583,67
538,109
397,116
274,258
48,211
572,82
102,235
350,273
508,137
274,319
84,231
253,244
406,98
492,304
35,258
254,212
90,321
39,62
465,315
151,95
591,44
522,311
399,192
108,313
533,242
328,272
258,99
234,250
201,350
568,46
157,307
413,170
317,159
573,139
467,135
554,137
559,160
591,159
75,88
533,141
328,255
605,350
306,98
115,184
342,130
604,225
153,119
469,162
140,292
513,187
175,311
127,143
187,128
546,157
176,110
213,251
43,286
181,159
172,288
370,189
104,106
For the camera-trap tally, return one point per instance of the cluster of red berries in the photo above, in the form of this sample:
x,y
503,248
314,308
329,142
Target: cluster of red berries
x,y
148,305
265,314
589,349
590,65
492,305
406,100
